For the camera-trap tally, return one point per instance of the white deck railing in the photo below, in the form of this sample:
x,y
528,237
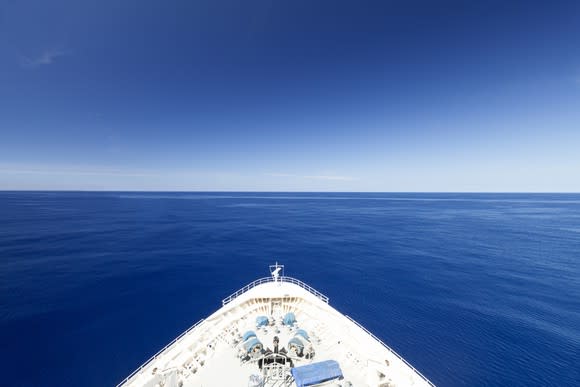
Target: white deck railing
x,y
271,279
174,342
391,350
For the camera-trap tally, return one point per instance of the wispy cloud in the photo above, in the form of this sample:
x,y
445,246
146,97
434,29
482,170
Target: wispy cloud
x,y
312,177
327,177
73,172
45,58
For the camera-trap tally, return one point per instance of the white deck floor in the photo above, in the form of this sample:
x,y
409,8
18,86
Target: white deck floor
x,y
209,354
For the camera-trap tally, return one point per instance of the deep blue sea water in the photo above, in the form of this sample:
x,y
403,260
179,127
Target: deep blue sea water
x,y
472,289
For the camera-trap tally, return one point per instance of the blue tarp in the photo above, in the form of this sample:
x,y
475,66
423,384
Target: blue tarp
x,y
261,321
289,319
248,334
316,373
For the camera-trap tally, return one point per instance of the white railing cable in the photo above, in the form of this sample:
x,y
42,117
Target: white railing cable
x,y
260,281
391,350
178,338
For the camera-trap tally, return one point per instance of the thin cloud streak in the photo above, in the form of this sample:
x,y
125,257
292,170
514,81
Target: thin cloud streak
x,y
313,177
8,169
46,58
48,172
324,177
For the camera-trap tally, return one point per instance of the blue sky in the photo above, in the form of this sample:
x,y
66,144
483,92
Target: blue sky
x,y
409,95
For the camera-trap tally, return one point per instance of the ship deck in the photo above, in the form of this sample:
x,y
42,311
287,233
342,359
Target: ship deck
x,y
212,353
225,367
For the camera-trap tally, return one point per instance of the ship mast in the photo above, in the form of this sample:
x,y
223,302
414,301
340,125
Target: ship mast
x,y
277,271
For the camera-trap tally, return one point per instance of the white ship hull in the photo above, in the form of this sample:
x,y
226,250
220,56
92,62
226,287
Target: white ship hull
x,y
235,345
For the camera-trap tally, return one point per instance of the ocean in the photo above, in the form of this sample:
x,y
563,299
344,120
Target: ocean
x,y
471,289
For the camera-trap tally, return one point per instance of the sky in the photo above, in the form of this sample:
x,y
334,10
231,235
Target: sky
x,y
389,95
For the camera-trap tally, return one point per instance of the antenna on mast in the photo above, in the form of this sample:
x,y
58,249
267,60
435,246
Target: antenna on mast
x,y
277,271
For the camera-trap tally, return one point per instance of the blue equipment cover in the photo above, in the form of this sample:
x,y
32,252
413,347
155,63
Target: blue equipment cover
x,y
289,319
303,333
261,321
316,373
248,334
250,344
297,342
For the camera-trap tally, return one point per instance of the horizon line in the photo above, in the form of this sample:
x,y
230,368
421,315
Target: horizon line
x,y
290,191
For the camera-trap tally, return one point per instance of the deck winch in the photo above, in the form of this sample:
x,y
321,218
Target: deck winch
x,y
298,342
253,345
262,321
289,319
248,334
